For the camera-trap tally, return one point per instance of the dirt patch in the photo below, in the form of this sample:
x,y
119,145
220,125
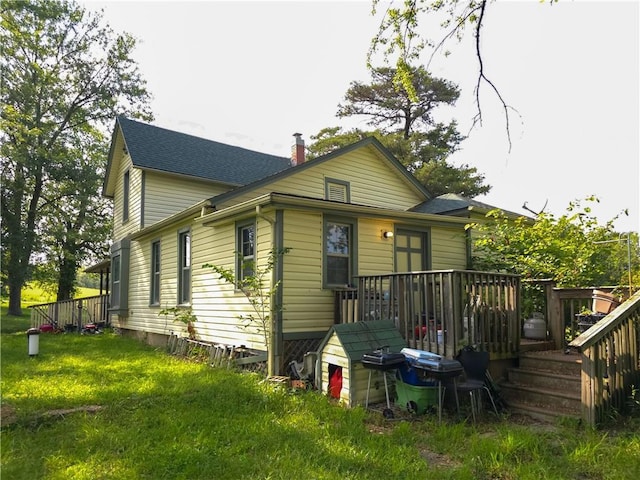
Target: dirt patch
x,y
61,412
437,459
7,415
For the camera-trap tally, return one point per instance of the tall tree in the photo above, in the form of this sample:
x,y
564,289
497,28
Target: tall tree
x,y
408,128
65,75
76,223
425,158
386,104
400,35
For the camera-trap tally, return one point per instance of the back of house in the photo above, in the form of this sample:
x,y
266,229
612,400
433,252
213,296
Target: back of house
x,y
182,202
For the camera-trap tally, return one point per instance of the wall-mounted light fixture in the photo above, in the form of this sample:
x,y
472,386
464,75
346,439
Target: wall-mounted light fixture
x,y
386,234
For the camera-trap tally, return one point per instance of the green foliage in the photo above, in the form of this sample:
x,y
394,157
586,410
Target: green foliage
x,y
399,32
563,249
184,315
13,323
402,35
163,418
386,104
88,280
406,126
65,76
260,290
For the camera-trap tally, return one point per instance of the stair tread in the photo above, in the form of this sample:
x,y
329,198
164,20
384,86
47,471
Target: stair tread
x,y
546,373
542,410
549,391
553,355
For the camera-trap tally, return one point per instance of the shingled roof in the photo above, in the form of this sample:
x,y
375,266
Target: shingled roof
x,y
168,151
449,203
359,338
454,204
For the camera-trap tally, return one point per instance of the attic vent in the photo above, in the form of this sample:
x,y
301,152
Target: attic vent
x,y
337,191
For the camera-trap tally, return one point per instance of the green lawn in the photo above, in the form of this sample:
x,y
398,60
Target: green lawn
x,y
33,294
158,417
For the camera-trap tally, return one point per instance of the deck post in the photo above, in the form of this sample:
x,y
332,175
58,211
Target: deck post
x,y
79,315
555,319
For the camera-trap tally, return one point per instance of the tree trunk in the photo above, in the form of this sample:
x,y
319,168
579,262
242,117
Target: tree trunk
x,y
15,296
67,276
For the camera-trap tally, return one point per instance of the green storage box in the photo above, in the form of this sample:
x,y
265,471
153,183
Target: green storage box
x,y
416,398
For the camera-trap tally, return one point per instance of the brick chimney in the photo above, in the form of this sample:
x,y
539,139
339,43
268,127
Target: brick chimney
x,y
297,150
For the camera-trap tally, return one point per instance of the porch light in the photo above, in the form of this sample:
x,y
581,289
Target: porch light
x,y
386,234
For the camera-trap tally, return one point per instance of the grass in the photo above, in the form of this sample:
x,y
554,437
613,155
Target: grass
x,y
164,418
12,323
33,294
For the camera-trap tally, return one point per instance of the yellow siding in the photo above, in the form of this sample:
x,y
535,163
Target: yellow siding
x,y
448,248
217,304
307,306
375,254
474,233
334,354
120,228
141,315
166,195
371,179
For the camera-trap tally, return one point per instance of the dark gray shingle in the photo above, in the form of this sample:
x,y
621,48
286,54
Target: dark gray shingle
x,y
165,150
449,202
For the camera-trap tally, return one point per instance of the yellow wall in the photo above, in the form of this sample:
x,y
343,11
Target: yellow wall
x,y
448,248
132,224
372,181
308,307
142,316
166,195
217,304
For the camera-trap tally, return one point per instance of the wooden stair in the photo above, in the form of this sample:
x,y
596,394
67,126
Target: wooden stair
x,y
545,386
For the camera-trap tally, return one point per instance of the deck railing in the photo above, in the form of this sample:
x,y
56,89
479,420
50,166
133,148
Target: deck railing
x,y
72,313
562,308
610,360
441,311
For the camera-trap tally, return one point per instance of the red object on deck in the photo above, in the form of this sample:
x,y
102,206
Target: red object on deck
x,y
424,331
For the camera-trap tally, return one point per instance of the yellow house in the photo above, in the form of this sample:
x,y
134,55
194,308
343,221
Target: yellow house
x,y
181,202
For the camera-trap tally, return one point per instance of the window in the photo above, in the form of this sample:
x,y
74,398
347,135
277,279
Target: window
x,y
338,253
337,190
155,273
125,197
184,267
119,297
247,250
115,281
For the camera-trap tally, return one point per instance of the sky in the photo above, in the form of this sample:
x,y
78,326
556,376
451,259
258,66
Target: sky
x,y
253,73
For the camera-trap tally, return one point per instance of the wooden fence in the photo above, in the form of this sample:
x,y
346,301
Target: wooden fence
x,y
71,314
610,360
441,311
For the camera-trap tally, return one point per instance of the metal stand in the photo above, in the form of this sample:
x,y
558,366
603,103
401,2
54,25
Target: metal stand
x,y
387,413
